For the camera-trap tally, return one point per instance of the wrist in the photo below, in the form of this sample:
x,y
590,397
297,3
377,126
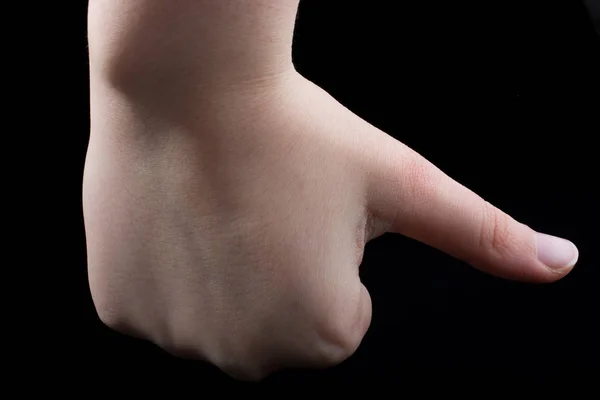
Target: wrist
x,y
148,46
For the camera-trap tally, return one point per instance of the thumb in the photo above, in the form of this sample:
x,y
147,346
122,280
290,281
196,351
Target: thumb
x,y
416,199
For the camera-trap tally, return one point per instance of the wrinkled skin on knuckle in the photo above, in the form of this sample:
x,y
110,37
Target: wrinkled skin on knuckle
x,y
420,179
507,248
495,235
414,188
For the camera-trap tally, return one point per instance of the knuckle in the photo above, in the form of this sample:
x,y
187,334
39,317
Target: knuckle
x,y
334,353
495,233
243,370
338,339
110,313
421,183
110,318
419,177
117,320
113,313
242,363
243,357
107,303
181,349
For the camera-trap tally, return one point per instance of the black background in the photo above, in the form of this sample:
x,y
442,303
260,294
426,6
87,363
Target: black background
x,y
501,95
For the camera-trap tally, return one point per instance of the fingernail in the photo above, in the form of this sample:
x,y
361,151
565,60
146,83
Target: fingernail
x,y
555,252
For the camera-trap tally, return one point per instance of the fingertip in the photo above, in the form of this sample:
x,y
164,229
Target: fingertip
x,y
557,254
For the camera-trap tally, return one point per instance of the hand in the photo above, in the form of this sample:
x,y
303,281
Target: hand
x,y
234,234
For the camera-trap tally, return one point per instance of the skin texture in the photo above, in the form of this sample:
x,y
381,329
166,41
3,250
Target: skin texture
x,y
227,200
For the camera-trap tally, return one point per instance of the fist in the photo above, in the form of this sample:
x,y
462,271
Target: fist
x,y
230,227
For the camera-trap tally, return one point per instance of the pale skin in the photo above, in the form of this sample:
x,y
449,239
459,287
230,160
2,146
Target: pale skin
x,y
228,200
